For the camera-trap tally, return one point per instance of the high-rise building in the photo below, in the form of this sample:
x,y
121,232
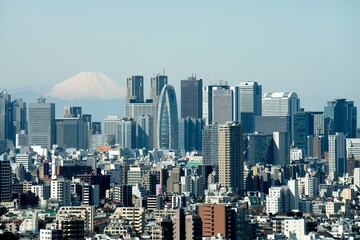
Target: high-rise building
x,y
145,131
41,124
210,144
337,155
235,94
230,155
167,119
281,148
110,125
281,104
19,117
315,146
191,98
250,104
5,115
51,234
190,134
5,179
357,177
157,84
126,133
278,200
135,89
258,148
71,132
208,101
340,116
222,106
137,110
270,124
72,112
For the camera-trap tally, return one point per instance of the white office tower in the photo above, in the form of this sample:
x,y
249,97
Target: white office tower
x,y
294,194
61,191
337,155
294,228
41,125
357,177
281,104
278,200
110,124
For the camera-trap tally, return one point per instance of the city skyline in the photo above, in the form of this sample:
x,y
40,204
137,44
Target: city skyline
x,y
306,47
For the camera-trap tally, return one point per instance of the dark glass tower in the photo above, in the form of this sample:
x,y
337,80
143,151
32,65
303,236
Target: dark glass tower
x,y
135,89
191,98
340,116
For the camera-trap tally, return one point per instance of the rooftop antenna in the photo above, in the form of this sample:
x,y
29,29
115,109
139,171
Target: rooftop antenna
x,y
163,71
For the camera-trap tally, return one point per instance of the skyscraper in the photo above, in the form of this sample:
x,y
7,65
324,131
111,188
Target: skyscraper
x,y
126,133
145,131
71,132
250,104
19,117
231,163
157,83
137,110
5,115
167,123
208,93
340,116
190,134
337,155
222,106
210,144
135,89
42,123
191,98
281,104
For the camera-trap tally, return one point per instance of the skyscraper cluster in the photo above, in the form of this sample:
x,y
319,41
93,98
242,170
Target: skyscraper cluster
x,y
220,162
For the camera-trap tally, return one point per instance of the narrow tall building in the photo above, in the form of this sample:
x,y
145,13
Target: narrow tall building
x,y
210,144
5,179
19,117
250,104
41,124
191,98
230,155
167,123
337,155
156,85
5,116
135,89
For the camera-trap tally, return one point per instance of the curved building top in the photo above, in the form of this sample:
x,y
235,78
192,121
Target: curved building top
x,y
285,95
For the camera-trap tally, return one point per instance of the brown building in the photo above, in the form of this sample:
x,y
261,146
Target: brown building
x,y
216,218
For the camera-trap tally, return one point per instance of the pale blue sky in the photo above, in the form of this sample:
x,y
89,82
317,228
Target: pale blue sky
x,y
311,47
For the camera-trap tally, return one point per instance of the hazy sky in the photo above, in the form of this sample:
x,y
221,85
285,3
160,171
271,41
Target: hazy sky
x,y
310,47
